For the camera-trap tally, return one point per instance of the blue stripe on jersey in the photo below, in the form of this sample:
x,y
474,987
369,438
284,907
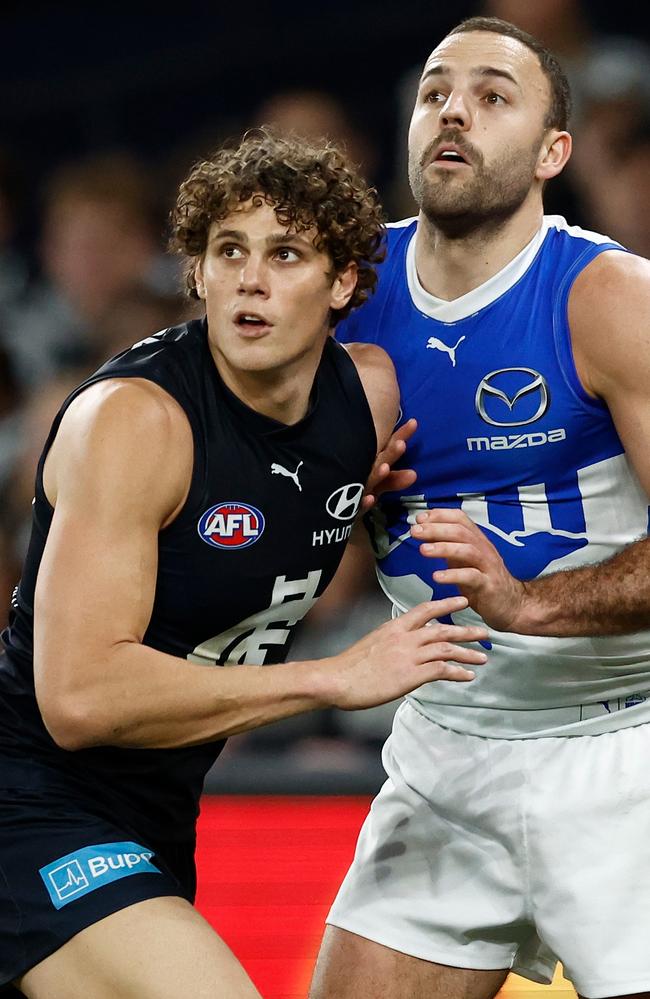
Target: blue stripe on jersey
x,y
565,504
506,513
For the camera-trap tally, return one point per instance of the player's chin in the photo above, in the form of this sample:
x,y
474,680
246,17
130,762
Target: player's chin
x,y
259,358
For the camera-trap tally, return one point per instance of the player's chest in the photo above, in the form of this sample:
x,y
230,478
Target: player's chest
x,y
258,508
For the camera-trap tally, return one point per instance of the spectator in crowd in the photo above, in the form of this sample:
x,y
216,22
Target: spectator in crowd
x,y
315,114
611,173
101,237
17,489
137,311
13,266
10,399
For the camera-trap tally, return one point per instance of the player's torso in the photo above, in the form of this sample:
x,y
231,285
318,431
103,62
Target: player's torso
x,y
265,525
259,537
508,434
269,508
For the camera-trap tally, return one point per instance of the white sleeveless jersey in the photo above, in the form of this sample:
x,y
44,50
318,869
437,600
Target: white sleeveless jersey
x,y
508,434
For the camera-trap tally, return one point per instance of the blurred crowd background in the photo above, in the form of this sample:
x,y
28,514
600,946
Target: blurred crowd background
x,y
100,119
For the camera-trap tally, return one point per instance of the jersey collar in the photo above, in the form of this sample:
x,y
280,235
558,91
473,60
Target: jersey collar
x,y
478,298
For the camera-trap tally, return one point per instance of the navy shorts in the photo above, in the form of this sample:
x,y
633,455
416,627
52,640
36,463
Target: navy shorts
x,y
64,866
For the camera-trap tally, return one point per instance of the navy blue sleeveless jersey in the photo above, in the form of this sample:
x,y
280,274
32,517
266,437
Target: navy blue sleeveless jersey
x,y
260,536
508,434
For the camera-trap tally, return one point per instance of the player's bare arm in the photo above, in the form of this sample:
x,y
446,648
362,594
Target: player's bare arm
x,y
117,474
609,316
377,373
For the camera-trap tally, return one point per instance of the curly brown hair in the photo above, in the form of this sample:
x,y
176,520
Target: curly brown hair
x,y
309,185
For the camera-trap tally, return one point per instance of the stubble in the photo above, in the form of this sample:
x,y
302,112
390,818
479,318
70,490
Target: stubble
x,y
459,206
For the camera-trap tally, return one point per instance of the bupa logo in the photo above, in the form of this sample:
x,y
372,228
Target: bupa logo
x,y
231,525
91,867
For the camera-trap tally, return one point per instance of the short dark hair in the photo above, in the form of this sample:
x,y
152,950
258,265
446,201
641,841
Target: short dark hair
x,y
308,184
559,111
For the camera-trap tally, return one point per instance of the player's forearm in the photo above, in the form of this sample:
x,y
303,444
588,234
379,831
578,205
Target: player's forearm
x,y
610,598
147,699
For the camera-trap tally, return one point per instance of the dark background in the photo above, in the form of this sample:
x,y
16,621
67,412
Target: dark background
x,y
75,80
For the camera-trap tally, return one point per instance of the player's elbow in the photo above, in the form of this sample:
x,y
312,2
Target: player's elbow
x,y
70,729
73,720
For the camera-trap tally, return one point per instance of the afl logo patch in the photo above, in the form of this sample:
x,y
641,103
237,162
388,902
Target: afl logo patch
x,y
231,525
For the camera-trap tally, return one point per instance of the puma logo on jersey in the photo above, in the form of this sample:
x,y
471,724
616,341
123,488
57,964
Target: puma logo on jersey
x,y
435,344
277,469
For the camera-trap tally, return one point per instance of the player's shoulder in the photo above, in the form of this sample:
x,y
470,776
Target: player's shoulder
x,y
377,375
145,382
121,435
400,233
135,408
372,362
391,284
616,281
558,226
368,355
609,318
172,346
374,368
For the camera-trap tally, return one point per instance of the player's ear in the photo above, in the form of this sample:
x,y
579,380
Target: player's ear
x,y
343,286
198,278
555,151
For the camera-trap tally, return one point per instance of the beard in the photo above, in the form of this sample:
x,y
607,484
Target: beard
x,y
483,201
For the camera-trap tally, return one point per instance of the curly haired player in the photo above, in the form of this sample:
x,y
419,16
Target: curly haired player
x,y
193,500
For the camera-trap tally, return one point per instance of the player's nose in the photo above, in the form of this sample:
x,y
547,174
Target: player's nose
x,y
253,277
455,111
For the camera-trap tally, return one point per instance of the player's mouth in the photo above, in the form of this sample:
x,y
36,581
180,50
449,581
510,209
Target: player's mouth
x,y
252,324
448,155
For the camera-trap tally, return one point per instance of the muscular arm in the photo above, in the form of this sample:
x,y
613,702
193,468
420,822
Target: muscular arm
x,y
609,317
377,373
117,473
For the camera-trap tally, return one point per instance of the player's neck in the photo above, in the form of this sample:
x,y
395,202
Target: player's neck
x,y
281,394
449,267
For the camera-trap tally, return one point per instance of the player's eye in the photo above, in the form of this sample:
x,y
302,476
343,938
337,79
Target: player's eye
x,y
231,252
494,98
434,97
286,254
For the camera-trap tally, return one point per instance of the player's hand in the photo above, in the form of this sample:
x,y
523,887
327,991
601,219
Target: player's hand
x,y
405,653
475,565
382,477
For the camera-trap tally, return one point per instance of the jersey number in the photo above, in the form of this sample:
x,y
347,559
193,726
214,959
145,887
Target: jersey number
x,y
249,641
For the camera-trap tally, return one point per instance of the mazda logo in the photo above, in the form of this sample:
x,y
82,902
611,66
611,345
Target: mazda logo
x,y
506,387
344,503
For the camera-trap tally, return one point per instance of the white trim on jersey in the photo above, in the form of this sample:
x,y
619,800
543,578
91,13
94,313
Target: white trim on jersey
x,y
496,286
402,224
560,223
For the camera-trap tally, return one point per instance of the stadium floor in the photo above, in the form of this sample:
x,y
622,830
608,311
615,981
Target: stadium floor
x,y
269,868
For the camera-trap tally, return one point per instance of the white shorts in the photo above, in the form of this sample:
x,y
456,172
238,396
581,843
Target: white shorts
x,y
493,853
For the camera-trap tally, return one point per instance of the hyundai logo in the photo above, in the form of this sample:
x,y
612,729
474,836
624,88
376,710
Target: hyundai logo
x,y
344,503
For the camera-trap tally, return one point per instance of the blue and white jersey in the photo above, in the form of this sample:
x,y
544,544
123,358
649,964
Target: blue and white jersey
x,y
508,434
